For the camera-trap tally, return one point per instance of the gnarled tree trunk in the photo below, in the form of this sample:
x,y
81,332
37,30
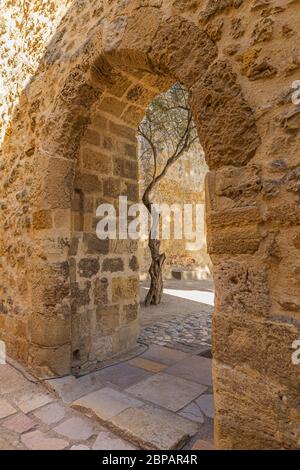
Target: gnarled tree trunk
x,y
156,287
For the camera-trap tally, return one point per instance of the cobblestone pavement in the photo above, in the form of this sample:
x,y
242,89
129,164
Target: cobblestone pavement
x,y
190,334
179,323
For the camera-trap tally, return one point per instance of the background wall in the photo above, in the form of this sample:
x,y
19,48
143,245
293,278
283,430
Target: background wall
x,y
183,184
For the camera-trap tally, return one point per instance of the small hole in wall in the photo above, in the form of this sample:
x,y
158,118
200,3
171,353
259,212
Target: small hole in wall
x,y
76,355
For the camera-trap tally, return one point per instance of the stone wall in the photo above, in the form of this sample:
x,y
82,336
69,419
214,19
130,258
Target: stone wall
x,y
238,59
26,28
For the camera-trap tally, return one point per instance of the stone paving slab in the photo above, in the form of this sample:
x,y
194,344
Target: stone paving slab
x,y
51,413
194,368
122,375
6,409
152,428
107,441
105,403
9,440
71,388
75,428
164,355
37,440
79,447
19,431
19,423
149,366
11,381
167,391
192,412
31,400
206,403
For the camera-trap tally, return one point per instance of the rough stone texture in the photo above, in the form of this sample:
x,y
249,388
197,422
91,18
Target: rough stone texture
x,y
49,191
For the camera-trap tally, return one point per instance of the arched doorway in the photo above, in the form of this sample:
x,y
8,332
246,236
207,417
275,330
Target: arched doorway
x,y
97,91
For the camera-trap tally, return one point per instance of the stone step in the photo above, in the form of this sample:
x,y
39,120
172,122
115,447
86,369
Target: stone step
x,y
198,274
143,425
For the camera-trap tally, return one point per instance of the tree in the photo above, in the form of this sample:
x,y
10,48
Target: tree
x,y
167,128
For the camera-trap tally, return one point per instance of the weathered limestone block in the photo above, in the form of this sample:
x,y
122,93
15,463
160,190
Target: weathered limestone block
x,y
234,241
101,291
237,28
107,319
101,346
60,175
88,267
92,244
236,338
217,6
112,265
242,288
134,263
263,30
126,338
254,67
51,286
251,423
50,331
67,144
42,220
80,296
88,182
215,29
186,55
98,162
130,312
125,288
48,362
226,123
238,186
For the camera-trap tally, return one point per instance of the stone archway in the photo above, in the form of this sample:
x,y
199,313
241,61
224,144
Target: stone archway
x,y
95,90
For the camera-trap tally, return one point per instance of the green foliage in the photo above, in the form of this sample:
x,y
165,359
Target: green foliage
x,y
167,130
